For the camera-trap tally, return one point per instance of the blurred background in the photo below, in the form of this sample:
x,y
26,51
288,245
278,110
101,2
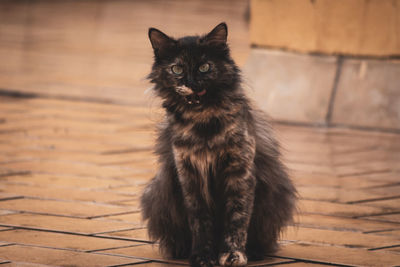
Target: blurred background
x,y
313,62
77,128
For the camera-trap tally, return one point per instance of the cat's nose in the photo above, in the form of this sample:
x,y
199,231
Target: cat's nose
x,y
192,85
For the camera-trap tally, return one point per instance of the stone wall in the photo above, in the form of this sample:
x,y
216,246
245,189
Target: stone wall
x,y
327,62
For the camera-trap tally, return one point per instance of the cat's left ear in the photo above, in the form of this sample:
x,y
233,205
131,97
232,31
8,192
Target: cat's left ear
x,y
218,35
160,41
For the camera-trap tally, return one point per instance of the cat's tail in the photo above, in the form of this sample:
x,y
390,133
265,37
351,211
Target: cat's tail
x,y
162,208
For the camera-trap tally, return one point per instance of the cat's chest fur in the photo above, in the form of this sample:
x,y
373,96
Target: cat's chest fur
x,y
203,143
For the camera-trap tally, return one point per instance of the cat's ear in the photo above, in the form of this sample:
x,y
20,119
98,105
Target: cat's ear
x,y
218,35
160,41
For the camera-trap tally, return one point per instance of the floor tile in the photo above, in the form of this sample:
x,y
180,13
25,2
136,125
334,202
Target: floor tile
x,y
62,241
62,224
58,257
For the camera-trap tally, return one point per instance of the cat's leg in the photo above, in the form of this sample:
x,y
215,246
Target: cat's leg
x,y
201,223
162,205
200,217
239,196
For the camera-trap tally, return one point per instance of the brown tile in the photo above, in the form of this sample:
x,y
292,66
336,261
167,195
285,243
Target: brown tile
x,y
129,189
50,192
387,190
151,252
342,223
23,264
133,201
337,209
303,264
62,241
395,218
63,180
66,208
136,234
63,224
317,168
304,178
135,219
57,257
393,233
345,195
54,167
5,243
270,262
154,264
115,159
87,126
338,238
5,212
339,255
393,204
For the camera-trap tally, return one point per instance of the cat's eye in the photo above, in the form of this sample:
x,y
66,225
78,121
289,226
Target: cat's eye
x,y
204,68
177,69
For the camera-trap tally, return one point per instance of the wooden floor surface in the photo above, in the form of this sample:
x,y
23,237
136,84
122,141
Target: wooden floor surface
x,y
77,131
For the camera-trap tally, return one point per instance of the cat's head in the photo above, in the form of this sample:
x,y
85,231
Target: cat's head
x,y
193,71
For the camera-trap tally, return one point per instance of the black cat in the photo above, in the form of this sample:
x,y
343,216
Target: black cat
x,y
221,192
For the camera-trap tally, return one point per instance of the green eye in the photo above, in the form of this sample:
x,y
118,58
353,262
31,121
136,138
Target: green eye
x,y
177,69
204,68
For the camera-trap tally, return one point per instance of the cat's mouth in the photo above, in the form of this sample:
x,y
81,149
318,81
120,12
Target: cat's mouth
x,y
195,98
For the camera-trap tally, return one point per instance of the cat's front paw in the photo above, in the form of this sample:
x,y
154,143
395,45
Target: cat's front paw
x,y
233,258
201,260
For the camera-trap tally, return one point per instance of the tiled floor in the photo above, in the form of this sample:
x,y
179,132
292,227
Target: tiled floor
x,y
70,183
75,148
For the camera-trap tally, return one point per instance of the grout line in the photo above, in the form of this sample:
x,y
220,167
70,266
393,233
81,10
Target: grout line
x,y
377,214
102,249
25,95
372,200
278,263
15,173
380,231
126,239
11,198
379,248
115,231
17,227
130,264
364,173
112,214
381,186
162,261
332,97
8,244
315,53
310,261
75,233
337,126
124,151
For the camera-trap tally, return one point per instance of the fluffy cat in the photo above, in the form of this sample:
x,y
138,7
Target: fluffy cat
x,y
221,192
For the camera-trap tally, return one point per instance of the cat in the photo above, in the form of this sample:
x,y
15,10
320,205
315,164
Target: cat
x,y
221,192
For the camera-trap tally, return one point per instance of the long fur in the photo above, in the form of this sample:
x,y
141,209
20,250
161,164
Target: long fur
x,y
221,190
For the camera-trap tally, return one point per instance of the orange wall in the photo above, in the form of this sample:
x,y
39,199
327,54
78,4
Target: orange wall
x,y
355,27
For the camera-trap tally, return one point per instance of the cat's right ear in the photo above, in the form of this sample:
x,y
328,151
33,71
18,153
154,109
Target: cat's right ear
x,y
160,41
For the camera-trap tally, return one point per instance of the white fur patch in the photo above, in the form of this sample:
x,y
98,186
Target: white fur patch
x,y
184,90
